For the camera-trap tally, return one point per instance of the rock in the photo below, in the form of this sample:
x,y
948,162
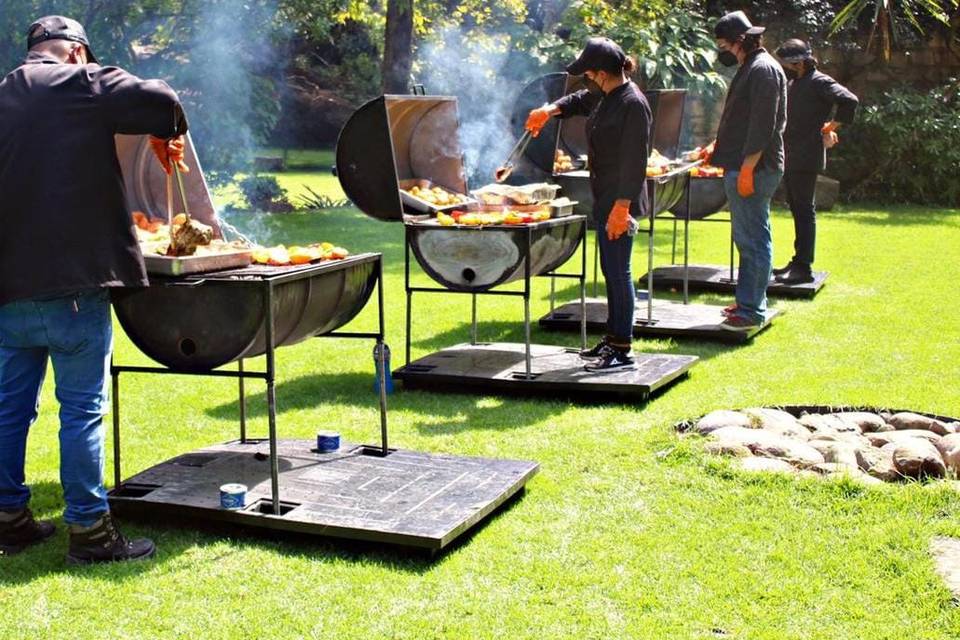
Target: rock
x,y
837,453
771,445
953,427
832,468
864,421
727,449
916,458
914,421
827,423
778,421
878,463
949,447
882,439
722,418
885,428
766,464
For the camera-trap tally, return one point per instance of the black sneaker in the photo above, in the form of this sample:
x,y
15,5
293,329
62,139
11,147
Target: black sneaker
x,y
22,531
739,323
596,351
796,275
611,359
103,542
782,270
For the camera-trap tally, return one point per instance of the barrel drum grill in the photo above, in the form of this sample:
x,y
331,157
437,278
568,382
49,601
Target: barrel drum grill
x,y
395,139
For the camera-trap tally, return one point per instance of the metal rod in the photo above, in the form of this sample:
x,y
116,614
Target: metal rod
x,y
583,287
673,249
272,399
596,260
473,325
214,373
731,247
526,304
650,257
243,404
170,213
116,426
183,193
381,348
553,293
406,281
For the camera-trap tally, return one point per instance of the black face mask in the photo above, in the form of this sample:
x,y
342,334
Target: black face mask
x,y
727,58
791,74
592,86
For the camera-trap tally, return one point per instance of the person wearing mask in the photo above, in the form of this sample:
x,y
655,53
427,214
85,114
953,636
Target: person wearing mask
x,y
749,148
67,238
618,126
812,97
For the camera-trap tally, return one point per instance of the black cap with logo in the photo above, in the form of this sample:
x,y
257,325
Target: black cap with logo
x,y
58,28
599,54
735,24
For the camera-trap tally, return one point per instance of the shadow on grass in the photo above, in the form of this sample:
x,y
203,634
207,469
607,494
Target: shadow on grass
x,y
442,413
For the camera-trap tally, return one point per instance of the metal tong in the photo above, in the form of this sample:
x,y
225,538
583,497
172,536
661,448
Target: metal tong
x,y
504,171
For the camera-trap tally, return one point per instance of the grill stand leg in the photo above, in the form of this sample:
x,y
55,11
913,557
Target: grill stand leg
x,y
583,289
381,349
243,403
272,399
553,293
406,284
731,247
596,262
526,305
116,427
473,324
653,215
673,249
686,244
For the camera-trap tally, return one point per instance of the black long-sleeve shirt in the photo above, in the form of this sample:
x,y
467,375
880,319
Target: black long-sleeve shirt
x,y
810,100
754,115
64,223
618,144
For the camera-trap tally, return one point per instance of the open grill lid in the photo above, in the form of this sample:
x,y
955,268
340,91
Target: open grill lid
x,y
399,137
146,183
571,135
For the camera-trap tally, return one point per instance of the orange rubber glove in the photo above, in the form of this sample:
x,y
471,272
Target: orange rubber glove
x,y
537,119
618,221
706,154
830,139
828,128
169,152
745,181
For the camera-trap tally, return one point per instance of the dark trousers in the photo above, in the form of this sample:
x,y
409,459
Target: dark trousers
x,y
801,187
621,296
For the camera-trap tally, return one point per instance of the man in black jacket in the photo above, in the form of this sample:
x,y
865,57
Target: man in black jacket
x,y
749,148
812,97
66,237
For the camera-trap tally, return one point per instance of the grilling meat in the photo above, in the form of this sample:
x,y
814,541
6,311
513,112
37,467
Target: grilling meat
x,y
185,238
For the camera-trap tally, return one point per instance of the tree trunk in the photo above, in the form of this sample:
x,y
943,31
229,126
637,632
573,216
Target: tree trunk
x,y
398,47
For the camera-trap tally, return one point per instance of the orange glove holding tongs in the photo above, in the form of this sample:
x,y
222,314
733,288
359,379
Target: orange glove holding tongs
x,y
170,152
537,119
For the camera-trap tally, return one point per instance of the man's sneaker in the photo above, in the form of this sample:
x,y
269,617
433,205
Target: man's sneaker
x,y
596,351
796,275
785,268
611,359
729,310
739,323
103,542
18,530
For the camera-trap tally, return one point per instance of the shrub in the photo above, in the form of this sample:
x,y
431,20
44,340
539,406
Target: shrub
x,y
264,193
903,148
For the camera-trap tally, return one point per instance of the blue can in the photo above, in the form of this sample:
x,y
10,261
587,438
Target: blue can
x,y
328,441
233,496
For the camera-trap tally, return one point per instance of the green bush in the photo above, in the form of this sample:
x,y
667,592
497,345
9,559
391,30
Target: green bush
x,y
264,193
905,147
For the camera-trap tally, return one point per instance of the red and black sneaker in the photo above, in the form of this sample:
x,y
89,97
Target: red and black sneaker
x,y
22,531
611,359
729,310
735,322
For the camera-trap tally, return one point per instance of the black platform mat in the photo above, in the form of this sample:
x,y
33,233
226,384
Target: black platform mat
x,y
717,278
406,498
500,367
670,319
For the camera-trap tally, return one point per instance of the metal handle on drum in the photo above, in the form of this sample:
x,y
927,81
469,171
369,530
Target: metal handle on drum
x,y
419,90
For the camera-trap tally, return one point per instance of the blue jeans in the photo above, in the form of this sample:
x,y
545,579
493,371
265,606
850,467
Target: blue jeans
x,y
751,234
621,297
76,333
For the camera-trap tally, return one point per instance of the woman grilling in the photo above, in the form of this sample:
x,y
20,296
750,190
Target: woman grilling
x,y
618,134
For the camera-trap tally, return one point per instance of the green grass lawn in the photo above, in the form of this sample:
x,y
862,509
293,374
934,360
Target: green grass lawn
x,y
627,532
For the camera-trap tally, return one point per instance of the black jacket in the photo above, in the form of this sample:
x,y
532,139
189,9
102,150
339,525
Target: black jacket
x,y
64,224
753,115
810,101
618,141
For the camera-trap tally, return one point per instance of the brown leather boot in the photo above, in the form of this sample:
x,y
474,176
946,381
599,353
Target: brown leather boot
x,y
18,530
103,542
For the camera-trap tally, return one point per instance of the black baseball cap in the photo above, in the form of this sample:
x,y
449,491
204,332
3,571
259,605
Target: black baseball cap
x,y
735,24
58,28
794,50
601,54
